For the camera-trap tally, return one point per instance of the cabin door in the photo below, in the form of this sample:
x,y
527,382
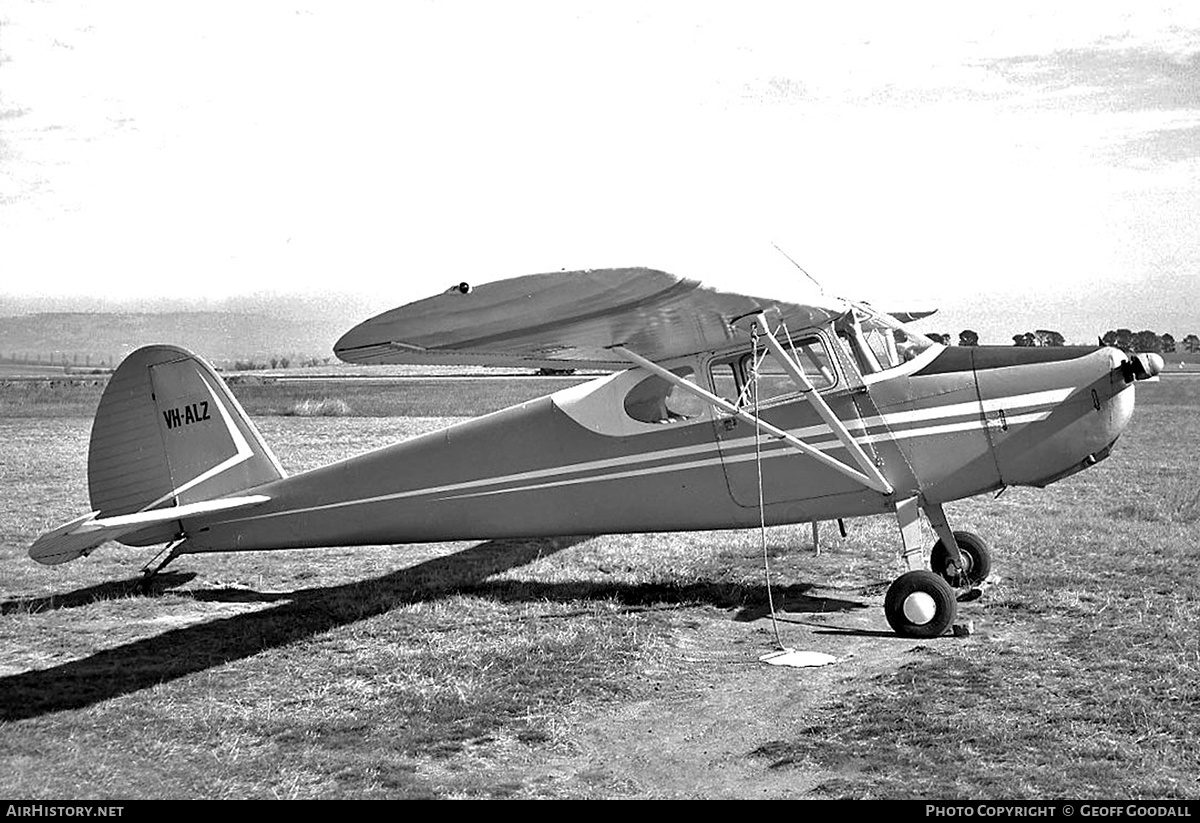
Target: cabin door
x,y
787,475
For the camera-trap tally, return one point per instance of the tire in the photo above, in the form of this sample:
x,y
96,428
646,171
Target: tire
x,y
920,604
976,555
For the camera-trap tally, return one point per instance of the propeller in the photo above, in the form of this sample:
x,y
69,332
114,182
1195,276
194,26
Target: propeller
x,y
1141,366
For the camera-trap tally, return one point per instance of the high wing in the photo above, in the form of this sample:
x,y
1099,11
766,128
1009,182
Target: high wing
x,y
569,320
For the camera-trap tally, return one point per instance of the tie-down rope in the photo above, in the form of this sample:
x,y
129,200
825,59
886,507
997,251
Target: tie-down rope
x,y
762,511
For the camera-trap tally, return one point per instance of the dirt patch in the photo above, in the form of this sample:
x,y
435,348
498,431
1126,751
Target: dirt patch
x,y
714,704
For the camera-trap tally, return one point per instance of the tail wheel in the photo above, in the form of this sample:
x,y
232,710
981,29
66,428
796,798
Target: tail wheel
x,y
920,604
976,557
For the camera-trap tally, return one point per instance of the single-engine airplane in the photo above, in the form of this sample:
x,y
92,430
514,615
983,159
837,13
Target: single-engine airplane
x,y
722,411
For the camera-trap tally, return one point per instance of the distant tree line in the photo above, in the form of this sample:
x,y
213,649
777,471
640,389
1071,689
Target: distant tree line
x,y
1041,337
81,360
279,361
1126,339
1148,341
57,358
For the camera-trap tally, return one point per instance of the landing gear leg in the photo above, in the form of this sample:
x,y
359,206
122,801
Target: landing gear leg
x,y
919,603
908,514
964,559
954,561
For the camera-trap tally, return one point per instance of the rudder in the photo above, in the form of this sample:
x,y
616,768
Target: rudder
x,y
169,432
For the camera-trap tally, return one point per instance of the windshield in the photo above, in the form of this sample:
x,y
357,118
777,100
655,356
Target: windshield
x,y
876,341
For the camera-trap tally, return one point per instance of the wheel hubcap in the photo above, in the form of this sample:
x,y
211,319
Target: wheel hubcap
x,y
919,608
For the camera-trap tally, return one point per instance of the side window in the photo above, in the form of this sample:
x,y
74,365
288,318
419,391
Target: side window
x,y
725,381
814,359
857,348
773,380
654,400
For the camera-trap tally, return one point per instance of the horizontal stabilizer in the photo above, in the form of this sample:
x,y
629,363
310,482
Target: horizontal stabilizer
x,y
80,536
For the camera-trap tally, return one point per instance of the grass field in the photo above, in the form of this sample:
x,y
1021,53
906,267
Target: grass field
x,y
416,397
621,666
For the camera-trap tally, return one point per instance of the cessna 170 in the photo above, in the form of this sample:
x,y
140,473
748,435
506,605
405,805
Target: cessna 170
x,y
722,411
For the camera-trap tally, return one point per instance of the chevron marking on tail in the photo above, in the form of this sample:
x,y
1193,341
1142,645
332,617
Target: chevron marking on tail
x,y
243,450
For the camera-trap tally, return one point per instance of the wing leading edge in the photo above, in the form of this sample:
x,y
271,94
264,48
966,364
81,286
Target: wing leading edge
x,y
568,319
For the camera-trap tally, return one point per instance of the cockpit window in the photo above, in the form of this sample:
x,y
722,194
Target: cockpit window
x,y
655,400
877,342
773,379
732,379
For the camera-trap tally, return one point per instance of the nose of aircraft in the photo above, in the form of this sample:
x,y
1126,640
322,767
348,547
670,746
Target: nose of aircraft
x,y
1083,404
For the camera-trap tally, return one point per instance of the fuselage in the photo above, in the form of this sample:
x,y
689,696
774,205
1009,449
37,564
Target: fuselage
x,y
612,455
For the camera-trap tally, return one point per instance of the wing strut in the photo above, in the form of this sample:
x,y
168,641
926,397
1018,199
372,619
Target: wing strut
x,y
797,374
873,480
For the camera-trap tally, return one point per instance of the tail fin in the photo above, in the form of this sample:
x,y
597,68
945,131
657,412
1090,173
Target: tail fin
x,y
170,442
169,432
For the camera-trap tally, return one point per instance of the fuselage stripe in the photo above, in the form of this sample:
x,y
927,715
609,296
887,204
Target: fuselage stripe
x,y
777,450
728,452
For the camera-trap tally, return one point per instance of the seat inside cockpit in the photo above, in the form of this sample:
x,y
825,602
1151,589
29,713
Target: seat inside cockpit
x,y
655,400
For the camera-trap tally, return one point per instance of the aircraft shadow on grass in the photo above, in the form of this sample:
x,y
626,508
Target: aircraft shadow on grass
x,y
109,590
177,653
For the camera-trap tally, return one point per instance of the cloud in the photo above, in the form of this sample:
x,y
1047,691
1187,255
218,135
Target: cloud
x,y
1117,79
1149,95
1170,145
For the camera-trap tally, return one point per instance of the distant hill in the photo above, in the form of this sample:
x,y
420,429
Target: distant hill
x,y
255,329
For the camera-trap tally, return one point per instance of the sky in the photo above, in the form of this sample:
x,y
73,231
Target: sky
x,y
1017,164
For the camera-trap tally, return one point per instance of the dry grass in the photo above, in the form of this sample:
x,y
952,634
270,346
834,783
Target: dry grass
x,y
412,396
323,407
51,398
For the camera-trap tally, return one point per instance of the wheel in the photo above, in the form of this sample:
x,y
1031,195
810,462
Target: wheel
x,y
920,604
976,556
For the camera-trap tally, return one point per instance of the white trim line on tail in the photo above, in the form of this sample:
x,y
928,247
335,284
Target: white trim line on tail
x,y
262,443
244,452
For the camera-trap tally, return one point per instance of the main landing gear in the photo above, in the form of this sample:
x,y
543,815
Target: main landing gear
x,y
922,603
975,557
